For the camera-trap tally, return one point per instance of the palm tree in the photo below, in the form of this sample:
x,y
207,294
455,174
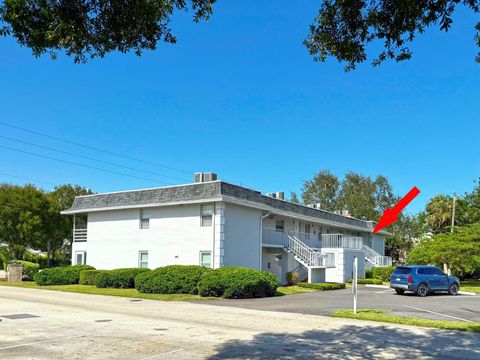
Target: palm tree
x,y
439,213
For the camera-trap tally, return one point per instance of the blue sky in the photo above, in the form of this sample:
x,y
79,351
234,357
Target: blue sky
x,y
241,96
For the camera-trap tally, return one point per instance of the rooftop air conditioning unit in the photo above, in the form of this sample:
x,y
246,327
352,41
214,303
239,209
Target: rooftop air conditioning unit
x,y
198,177
280,195
271,194
209,176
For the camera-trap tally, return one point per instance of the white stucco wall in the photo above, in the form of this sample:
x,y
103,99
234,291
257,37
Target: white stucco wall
x,y
242,237
174,237
342,272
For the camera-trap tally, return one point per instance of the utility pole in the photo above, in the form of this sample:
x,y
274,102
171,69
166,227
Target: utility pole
x,y
446,269
453,211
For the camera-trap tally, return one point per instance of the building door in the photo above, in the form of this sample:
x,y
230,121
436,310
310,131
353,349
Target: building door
x,y
273,262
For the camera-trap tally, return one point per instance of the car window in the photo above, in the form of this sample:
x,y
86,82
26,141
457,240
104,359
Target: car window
x,y
437,271
425,271
402,270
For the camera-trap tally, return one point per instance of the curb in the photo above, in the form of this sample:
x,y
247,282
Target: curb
x,y
467,293
377,286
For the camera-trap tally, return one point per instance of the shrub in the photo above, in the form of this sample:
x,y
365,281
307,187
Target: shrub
x,y
368,273
87,277
61,275
173,279
118,278
323,286
383,273
368,281
238,283
29,268
292,278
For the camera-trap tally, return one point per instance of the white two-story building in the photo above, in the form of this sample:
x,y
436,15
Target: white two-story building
x,y
215,224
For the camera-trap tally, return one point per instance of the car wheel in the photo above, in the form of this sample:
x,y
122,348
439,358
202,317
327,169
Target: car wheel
x,y
399,291
422,290
453,289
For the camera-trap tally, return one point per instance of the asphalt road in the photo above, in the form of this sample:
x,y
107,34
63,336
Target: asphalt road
x,y
41,324
437,306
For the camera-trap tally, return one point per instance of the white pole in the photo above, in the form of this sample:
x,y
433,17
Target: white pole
x,y
355,284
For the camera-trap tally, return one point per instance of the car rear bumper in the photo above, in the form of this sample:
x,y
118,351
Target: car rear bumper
x,y
403,287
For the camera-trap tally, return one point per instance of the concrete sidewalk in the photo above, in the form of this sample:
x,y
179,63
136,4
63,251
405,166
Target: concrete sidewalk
x,y
79,326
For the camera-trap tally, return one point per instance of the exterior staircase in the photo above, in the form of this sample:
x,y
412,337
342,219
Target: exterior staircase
x,y
307,256
374,259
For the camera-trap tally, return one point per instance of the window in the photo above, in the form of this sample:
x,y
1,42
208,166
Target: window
x,y
206,215
425,271
402,270
437,272
144,219
206,258
280,225
80,257
143,259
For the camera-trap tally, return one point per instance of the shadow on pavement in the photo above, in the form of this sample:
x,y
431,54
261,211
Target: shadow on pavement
x,y
352,341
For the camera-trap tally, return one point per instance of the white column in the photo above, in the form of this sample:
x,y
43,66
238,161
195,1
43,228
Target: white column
x,y
219,235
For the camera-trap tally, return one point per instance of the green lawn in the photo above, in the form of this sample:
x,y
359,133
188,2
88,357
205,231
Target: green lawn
x,y
383,316
133,293
470,285
290,290
88,289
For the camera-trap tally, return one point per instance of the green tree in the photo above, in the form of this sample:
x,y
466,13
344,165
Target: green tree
x,y
406,231
57,228
459,250
323,189
358,196
22,210
294,198
345,29
472,205
92,28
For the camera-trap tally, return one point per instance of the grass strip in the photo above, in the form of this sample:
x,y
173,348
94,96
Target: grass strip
x,y
383,316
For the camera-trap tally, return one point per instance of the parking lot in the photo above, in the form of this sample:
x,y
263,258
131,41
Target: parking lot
x,y
437,306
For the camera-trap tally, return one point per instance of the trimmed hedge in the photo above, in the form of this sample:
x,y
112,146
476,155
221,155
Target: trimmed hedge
x,y
61,275
368,273
323,286
29,269
172,279
292,278
383,273
118,278
238,283
87,277
367,281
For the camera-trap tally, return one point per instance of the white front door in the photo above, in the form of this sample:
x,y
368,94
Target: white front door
x,y
273,262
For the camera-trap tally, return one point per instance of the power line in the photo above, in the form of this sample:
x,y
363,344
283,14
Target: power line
x,y
82,165
29,179
93,148
92,159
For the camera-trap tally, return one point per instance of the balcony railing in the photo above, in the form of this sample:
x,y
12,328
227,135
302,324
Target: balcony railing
x,y
341,241
79,235
275,237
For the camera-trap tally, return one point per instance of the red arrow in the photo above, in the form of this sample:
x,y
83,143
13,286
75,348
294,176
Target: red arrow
x,y
391,215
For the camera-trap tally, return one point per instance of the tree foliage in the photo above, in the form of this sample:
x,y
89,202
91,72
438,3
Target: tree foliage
x,y
92,28
30,218
344,28
460,250
322,189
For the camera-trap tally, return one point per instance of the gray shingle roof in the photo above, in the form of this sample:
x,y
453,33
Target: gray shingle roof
x,y
203,192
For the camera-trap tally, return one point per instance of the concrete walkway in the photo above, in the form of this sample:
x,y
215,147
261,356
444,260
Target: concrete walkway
x,y
41,324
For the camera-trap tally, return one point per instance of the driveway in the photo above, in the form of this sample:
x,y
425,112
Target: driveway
x,y
41,324
438,306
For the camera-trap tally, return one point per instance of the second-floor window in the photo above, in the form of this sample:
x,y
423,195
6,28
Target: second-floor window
x,y
144,219
206,214
280,225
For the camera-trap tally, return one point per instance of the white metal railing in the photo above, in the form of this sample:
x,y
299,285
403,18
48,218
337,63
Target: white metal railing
x,y
79,235
375,258
273,237
307,255
341,241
